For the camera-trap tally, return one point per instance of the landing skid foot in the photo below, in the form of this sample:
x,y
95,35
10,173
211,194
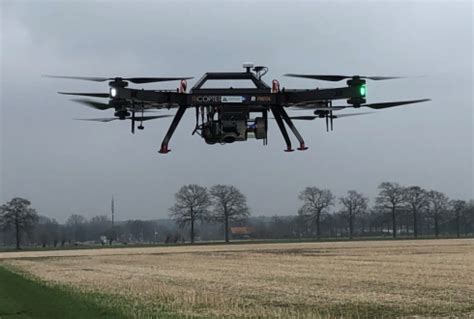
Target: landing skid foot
x,y
164,150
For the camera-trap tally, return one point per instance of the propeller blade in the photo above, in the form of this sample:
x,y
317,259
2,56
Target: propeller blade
x,y
381,78
147,118
308,103
372,105
333,108
155,79
304,117
87,78
94,104
317,107
350,114
105,106
318,77
137,118
104,95
336,78
328,118
384,105
143,110
133,80
104,120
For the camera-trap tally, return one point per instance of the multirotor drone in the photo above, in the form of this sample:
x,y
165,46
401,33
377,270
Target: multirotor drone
x,y
231,114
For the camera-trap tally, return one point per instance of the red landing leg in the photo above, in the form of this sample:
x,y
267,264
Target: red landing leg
x,y
164,150
302,147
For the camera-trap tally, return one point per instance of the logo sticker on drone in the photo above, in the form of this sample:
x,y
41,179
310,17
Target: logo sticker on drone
x,y
232,99
264,98
206,98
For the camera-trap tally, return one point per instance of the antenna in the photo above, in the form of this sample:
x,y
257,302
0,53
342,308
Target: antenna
x,y
112,208
113,236
260,71
248,66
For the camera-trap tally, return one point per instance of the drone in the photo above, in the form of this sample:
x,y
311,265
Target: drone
x,y
232,114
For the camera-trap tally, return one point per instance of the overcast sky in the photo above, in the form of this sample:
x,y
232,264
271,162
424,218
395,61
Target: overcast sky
x,y
65,166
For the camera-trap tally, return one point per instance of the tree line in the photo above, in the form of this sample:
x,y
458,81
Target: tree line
x,y
209,214
221,203
408,210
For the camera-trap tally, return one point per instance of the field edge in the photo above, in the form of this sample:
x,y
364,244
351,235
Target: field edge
x,y
22,295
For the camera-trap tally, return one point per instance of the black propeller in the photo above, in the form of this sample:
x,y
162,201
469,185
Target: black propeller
x,y
137,118
318,108
341,77
105,119
136,80
313,117
329,118
385,105
104,95
104,106
93,104
376,106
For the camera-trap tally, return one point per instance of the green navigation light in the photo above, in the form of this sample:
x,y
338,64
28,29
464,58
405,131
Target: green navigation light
x,y
362,90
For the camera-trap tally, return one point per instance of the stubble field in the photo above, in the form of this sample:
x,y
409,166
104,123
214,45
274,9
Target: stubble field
x,y
426,278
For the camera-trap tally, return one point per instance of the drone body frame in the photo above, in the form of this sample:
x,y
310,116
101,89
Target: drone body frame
x,y
223,115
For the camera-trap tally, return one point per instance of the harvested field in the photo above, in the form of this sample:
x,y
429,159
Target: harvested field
x,y
428,278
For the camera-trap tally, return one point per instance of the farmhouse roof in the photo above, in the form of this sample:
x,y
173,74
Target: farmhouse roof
x,y
241,230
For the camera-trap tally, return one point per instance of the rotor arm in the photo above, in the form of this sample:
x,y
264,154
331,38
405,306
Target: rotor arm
x,y
289,97
158,97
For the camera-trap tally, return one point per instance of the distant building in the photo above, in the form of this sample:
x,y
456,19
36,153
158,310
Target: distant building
x,y
242,232
103,240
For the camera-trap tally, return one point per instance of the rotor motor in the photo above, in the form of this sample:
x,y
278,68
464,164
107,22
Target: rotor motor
x,y
359,85
122,114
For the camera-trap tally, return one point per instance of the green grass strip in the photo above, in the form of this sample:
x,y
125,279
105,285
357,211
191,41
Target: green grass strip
x,y
25,298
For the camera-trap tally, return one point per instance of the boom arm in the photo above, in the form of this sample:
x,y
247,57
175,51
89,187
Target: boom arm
x,y
215,97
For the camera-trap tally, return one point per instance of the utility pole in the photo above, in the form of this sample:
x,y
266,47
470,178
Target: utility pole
x,y
113,211
112,208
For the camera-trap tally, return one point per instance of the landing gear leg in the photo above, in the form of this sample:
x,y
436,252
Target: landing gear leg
x,y
141,127
281,125
133,119
197,121
289,122
265,120
177,118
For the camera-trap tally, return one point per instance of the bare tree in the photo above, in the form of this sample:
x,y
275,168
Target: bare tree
x,y
315,203
192,203
76,224
355,204
229,205
416,198
390,197
468,216
47,231
140,230
458,207
98,226
18,214
437,205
